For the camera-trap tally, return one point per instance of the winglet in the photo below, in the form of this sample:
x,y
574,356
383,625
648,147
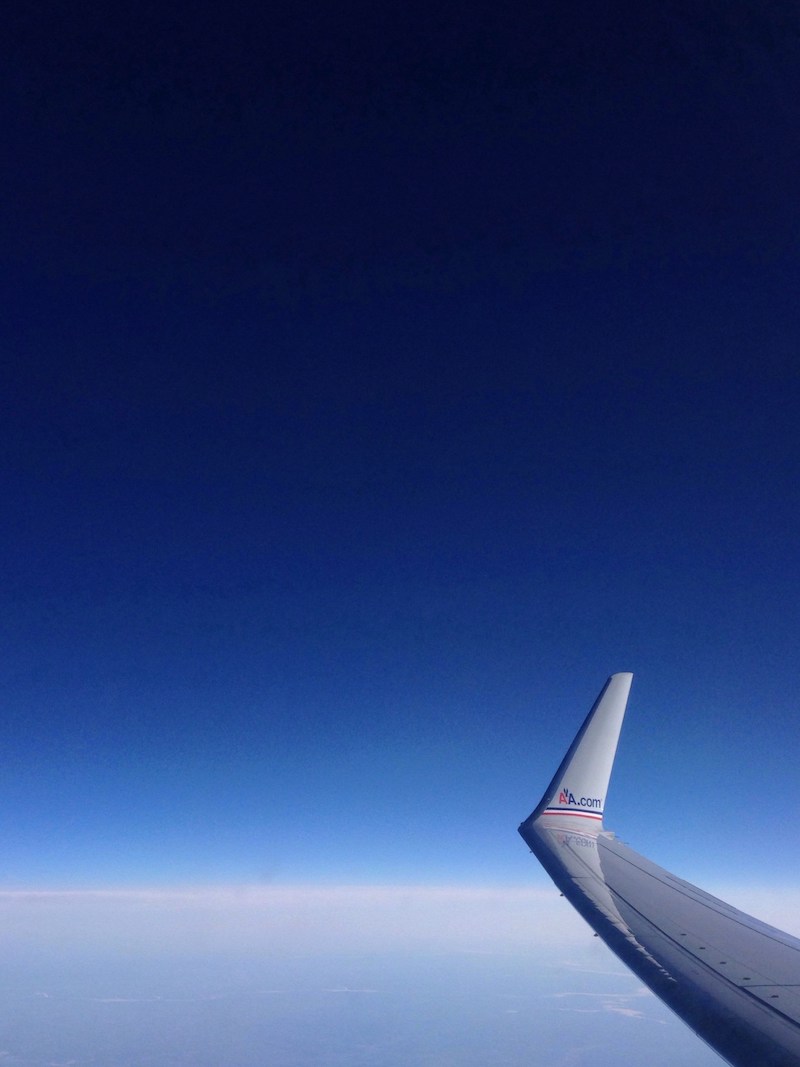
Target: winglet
x,y
580,784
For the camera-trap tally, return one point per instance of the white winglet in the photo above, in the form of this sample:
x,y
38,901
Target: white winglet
x,y
581,782
732,978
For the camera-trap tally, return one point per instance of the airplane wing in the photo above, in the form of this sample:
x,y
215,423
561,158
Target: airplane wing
x,y
733,979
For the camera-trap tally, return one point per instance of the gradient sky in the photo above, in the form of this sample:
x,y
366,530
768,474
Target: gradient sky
x,y
376,380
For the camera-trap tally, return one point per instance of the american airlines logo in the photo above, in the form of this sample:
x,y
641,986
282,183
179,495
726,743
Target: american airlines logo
x,y
567,797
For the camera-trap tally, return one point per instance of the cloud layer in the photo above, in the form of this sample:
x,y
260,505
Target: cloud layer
x,y
289,919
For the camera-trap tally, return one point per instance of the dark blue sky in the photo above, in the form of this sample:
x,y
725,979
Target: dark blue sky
x,y
376,382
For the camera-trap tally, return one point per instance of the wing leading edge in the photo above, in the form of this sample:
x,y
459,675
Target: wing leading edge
x,y
732,978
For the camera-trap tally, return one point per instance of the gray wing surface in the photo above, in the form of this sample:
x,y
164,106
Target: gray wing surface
x,y
733,979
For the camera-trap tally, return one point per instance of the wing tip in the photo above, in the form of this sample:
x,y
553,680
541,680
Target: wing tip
x,y
579,787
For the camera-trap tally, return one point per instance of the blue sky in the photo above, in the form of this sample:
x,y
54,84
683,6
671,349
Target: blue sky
x,y
375,382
